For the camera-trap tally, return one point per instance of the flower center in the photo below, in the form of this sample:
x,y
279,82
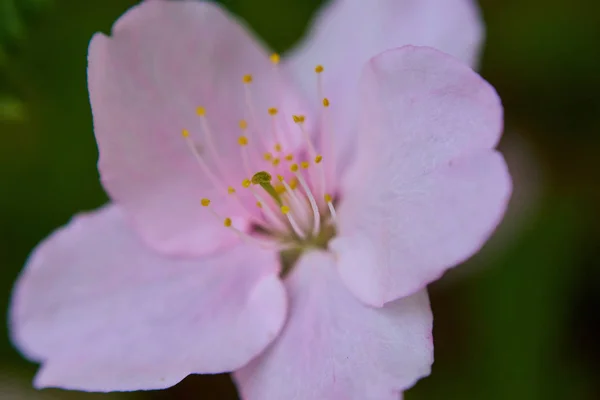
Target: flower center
x,y
288,186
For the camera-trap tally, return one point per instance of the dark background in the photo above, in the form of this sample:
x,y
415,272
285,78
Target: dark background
x,y
521,320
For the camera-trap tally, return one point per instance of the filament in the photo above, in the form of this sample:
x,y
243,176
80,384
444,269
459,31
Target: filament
x,y
215,181
311,198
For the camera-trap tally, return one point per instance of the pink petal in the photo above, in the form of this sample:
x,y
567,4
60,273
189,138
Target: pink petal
x,y
427,189
163,60
346,34
333,347
103,312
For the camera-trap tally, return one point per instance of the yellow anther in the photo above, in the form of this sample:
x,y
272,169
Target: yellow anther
x,y
285,209
243,140
289,157
293,183
185,133
325,102
294,167
243,124
280,178
227,222
305,164
258,204
200,111
278,147
205,202
275,58
319,68
276,161
298,118
272,111
327,198
280,189
318,159
247,78
268,156
246,183
230,190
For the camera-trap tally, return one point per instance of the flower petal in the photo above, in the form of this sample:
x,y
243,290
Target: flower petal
x,y
334,347
399,238
427,189
165,59
103,312
346,34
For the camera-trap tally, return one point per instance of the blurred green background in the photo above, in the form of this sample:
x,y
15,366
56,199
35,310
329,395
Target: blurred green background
x,y
521,320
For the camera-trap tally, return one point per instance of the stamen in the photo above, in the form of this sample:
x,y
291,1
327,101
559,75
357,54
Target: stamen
x,y
276,134
329,202
327,144
327,137
306,164
264,206
254,152
299,119
275,58
201,112
286,211
228,224
243,142
247,80
298,206
319,69
311,198
231,191
215,181
280,189
289,157
213,178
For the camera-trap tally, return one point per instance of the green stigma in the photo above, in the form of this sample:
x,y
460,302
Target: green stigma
x,y
263,178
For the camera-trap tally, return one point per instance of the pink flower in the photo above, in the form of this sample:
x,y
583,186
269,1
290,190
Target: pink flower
x,y
368,181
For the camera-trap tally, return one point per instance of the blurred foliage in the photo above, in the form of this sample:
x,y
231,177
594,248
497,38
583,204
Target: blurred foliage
x,y
518,321
15,16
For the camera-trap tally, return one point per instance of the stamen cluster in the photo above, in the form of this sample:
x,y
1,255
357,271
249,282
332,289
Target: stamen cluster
x,y
296,210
